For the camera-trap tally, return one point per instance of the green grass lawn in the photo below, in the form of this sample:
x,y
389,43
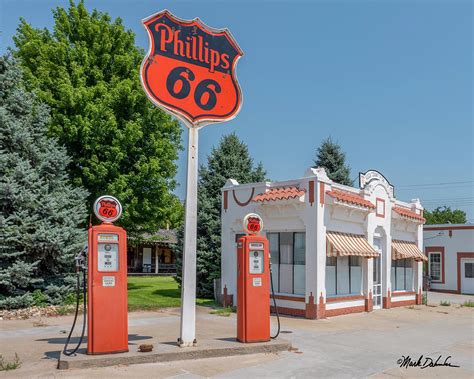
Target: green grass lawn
x,y
154,292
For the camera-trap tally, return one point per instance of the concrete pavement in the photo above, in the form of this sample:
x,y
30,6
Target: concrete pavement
x,y
358,345
435,298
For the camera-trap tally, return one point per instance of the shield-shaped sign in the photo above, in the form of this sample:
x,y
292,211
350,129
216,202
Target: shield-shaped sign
x,y
190,69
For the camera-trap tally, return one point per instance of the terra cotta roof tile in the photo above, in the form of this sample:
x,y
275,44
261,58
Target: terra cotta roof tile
x,y
280,193
350,198
408,214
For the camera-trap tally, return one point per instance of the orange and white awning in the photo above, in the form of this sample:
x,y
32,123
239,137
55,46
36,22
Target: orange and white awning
x,y
405,249
345,244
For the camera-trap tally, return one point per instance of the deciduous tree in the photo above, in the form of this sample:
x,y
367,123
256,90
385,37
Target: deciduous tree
x,y
87,70
445,215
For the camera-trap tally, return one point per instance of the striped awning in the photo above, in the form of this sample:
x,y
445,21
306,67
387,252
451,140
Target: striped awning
x,y
405,249
344,244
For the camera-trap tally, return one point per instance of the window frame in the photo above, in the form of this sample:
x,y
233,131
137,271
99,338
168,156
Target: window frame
x,y
292,260
349,265
471,264
440,278
437,250
399,263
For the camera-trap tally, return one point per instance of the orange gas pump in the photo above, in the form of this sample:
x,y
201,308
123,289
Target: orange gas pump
x,y
104,260
107,282
253,283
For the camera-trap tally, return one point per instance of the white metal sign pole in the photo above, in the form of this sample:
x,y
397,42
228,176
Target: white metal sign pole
x,y
188,282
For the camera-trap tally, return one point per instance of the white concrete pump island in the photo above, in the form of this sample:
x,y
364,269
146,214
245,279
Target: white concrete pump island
x,y
334,249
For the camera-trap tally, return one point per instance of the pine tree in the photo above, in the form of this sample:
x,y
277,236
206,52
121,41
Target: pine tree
x,y
231,159
39,209
87,71
330,156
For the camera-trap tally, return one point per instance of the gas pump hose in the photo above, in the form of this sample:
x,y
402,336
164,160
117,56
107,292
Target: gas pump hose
x,y
274,305
78,296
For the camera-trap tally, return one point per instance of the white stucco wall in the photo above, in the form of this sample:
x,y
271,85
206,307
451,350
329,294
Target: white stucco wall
x,y
315,219
460,241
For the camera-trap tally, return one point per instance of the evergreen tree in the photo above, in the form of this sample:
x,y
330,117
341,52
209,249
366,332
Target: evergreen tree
x,y
444,215
39,209
87,71
330,156
231,159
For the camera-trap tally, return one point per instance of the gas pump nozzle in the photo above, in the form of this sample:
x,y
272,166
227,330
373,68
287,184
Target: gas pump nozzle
x,y
81,265
81,259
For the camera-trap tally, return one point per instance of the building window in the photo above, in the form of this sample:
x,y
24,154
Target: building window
x,y
469,270
402,275
435,268
288,258
343,275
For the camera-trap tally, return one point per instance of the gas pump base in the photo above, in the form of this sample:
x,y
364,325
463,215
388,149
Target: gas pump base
x,y
165,352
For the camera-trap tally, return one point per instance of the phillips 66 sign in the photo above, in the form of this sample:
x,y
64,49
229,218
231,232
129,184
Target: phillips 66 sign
x,y
190,69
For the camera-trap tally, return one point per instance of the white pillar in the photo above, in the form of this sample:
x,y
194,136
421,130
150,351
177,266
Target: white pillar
x,y
188,285
368,282
418,266
156,260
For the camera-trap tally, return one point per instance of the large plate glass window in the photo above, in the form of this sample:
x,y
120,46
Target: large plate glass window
x,y
402,275
288,258
343,275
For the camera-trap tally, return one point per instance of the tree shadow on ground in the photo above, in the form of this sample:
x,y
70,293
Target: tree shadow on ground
x,y
171,293
133,286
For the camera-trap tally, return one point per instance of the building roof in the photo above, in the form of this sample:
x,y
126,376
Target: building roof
x,y
407,213
279,193
447,226
165,236
351,198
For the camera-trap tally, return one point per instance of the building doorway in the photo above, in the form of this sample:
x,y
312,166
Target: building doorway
x,y
377,276
467,276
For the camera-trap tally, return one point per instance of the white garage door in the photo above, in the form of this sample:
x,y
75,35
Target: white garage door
x,y
467,275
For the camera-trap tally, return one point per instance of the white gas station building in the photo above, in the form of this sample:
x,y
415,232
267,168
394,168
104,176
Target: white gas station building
x,y
334,249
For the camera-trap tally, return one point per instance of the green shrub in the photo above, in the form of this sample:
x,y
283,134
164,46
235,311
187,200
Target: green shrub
x,y
7,365
469,303
39,298
224,312
16,302
424,299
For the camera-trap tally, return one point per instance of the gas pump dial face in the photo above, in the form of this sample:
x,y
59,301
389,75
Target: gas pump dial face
x,y
256,262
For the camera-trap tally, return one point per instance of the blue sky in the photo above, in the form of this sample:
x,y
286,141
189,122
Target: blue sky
x,y
390,81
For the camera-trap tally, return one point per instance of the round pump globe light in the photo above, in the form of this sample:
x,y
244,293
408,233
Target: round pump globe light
x,y
107,208
253,223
